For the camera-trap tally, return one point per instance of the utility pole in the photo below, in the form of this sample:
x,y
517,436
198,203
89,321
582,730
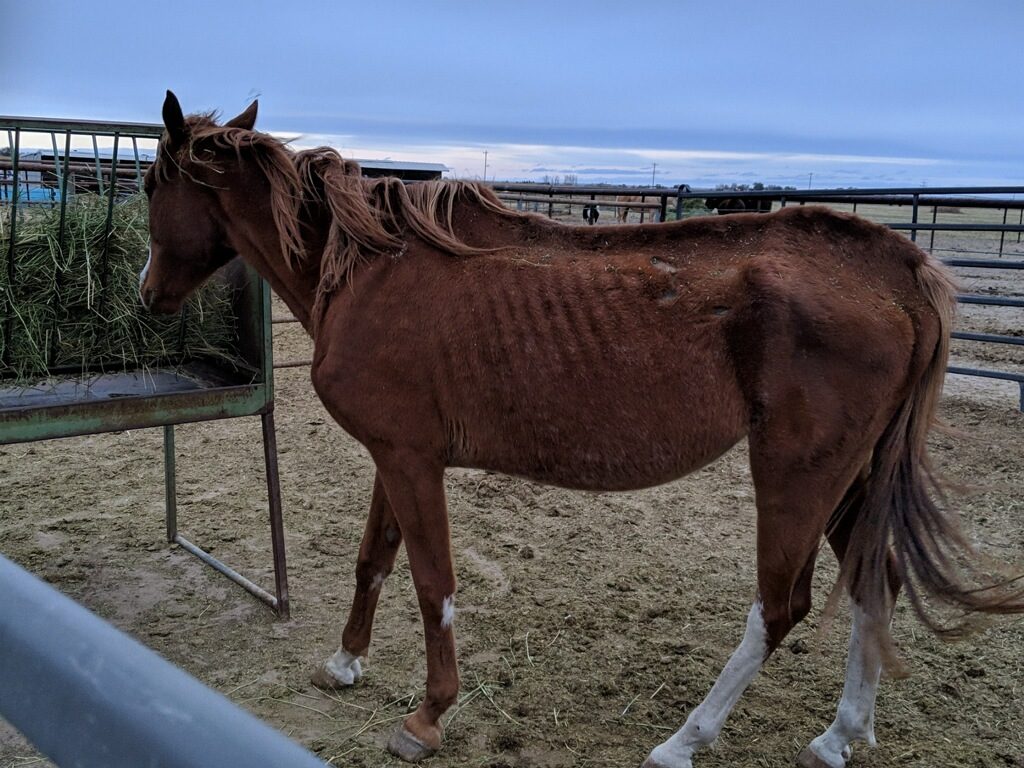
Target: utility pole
x,y
810,178
654,167
485,165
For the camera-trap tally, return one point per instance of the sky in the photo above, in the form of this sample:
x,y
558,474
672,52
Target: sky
x,y
792,92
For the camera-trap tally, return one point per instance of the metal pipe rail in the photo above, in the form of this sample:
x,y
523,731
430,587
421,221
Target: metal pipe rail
x,y
984,263
843,195
86,694
577,201
990,301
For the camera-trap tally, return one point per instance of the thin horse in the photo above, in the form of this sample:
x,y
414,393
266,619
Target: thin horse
x,y
622,213
450,331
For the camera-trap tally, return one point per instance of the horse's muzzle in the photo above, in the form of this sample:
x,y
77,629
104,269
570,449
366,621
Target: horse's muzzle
x,y
158,304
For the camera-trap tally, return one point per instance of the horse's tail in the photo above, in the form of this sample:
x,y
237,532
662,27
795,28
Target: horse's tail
x,y
895,508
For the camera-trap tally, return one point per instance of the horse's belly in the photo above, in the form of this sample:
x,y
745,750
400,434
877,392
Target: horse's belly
x,y
626,445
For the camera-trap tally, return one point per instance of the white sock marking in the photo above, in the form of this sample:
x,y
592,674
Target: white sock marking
x,y
705,722
142,276
344,667
855,717
448,612
377,583
145,269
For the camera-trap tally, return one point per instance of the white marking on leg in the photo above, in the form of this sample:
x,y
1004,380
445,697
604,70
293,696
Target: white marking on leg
x,y
344,667
448,612
145,269
377,583
142,278
855,717
705,722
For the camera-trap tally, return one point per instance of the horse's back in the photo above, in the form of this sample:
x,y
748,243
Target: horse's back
x,y
618,358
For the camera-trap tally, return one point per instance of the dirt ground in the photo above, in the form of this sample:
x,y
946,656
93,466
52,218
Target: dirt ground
x,y
588,624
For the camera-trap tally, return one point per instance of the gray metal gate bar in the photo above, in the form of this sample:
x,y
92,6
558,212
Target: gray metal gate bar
x,y
87,695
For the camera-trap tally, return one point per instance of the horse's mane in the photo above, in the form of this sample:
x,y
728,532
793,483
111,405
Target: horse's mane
x,y
367,217
373,216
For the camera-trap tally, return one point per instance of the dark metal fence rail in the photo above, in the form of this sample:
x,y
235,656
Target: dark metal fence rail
x,y
88,695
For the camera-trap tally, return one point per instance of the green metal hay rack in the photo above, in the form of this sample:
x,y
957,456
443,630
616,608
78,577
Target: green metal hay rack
x,y
161,397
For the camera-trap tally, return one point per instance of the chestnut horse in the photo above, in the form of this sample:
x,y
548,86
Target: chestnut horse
x,y
648,214
450,331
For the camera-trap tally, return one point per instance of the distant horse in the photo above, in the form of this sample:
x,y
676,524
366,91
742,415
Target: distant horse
x,y
732,204
648,214
452,332
591,214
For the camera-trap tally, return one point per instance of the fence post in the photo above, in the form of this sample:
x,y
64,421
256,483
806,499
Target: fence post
x,y
931,242
913,218
1002,235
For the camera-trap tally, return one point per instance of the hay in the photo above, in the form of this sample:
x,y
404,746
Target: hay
x,y
76,310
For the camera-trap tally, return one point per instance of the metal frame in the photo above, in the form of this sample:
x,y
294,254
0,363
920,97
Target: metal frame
x,y
86,694
277,601
156,409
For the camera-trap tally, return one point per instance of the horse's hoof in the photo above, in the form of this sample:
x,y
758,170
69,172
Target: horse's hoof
x,y
661,757
340,671
807,759
406,746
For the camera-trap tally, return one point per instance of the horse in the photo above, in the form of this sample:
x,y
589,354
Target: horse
x,y
729,205
450,331
591,214
622,213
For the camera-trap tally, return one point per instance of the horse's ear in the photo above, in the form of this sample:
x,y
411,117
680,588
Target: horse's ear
x,y
245,120
174,120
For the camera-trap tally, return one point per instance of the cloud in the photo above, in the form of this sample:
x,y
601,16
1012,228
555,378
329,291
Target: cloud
x,y
695,166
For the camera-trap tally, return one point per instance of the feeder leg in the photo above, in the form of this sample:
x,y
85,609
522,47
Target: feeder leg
x,y
170,494
276,522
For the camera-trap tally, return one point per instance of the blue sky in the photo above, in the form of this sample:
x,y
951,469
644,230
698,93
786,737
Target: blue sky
x,y
871,93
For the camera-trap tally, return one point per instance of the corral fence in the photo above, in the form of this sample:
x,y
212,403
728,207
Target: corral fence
x,y
968,228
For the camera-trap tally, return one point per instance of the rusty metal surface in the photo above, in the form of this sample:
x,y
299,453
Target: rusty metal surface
x,y
112,415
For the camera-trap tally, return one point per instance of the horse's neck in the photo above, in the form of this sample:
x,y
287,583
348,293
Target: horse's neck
x,y
477,226
257,241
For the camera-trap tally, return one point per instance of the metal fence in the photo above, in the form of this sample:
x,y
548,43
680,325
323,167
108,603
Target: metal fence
x,y
922,207
86,694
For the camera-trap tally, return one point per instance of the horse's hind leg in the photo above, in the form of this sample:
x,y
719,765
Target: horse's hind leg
x,y
793,508
786,555
855,715
380,544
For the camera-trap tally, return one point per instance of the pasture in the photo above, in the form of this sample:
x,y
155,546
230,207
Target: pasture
x,y
589,624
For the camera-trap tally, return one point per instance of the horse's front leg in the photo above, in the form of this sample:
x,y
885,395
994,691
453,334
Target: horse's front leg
x,y
415,488
380,544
